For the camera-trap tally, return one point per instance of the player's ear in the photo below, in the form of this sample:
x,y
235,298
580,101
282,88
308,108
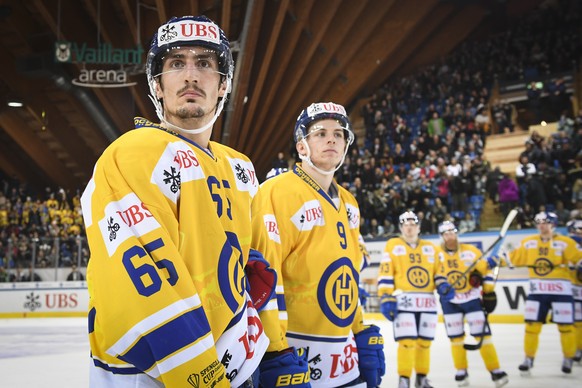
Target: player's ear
x,y
300,147
159,90
222,87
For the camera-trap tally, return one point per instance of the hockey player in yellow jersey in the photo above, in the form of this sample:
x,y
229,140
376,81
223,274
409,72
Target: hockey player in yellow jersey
x,y
307,227
467,303
575,232
548,256
406,284
167,213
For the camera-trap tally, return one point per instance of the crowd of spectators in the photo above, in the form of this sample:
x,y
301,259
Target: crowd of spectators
x,y
423,150
425,132
39,230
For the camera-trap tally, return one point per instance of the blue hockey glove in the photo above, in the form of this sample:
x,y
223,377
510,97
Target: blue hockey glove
x,y
261,279
372,364
446,291
363,296
287,368
388,307
493,261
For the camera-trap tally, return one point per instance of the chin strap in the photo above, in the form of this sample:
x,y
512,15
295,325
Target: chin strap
x,y
194,131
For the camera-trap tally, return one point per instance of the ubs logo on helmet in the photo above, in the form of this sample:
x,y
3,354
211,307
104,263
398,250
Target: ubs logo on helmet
x,y
337,292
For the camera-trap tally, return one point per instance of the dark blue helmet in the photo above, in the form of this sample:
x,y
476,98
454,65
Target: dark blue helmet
x,y
188,31
321,111
546,218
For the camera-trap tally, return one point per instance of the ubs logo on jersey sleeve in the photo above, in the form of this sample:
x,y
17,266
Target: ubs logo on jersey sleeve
x,y
123,219
246,178
337,292
308,216
353,216
272,227
178,164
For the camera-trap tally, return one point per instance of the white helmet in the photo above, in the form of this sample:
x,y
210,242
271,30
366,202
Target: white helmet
x,y
408,216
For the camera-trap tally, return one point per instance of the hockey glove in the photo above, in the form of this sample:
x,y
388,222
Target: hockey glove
x,y
489,301
445,291
363,296
372,365
475,279
287,368
388,307
493,261
261,279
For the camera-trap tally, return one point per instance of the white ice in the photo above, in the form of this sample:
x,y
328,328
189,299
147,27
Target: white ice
x,y
54,353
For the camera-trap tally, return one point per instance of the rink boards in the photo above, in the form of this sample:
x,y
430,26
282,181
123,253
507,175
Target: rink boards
x,y
62,299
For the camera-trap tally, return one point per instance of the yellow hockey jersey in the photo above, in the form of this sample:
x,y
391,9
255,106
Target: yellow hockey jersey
x,y
406,268
454,264
546,259
169,229
312,243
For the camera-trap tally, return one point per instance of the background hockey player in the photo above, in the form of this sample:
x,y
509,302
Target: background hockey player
x,y
548,256
575,232
410,265
307,227
167,213
472,293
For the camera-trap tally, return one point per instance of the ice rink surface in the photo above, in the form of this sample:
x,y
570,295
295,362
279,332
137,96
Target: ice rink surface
x,y
54,353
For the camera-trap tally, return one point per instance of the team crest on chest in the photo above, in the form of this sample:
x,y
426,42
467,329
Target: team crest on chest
x,y
337,292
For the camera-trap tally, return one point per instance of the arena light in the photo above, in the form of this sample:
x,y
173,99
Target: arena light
x,y
15,104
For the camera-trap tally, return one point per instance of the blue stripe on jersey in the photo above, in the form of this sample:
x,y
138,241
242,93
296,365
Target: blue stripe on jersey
x,y
167,339
236,318
91,320
281,302
488,279
306,337
115,370
386,282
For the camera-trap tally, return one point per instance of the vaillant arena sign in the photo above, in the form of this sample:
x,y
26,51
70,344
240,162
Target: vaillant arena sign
x,y
114,76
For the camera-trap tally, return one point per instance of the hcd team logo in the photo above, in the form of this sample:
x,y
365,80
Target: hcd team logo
x,y
337,292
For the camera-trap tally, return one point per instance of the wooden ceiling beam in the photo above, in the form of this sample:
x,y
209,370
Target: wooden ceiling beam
x,y
293,26
275,16
245,59
399,24
36,149
328,67
400,58
329,28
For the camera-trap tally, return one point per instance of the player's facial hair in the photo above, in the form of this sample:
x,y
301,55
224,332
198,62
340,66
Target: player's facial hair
x,y
188,113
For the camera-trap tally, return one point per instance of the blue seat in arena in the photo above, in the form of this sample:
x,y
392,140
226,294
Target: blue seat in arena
x,y
476,216
550,207
476,202
458,214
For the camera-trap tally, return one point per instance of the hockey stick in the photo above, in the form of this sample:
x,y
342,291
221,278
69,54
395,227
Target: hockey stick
x,y
508,220
486,327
